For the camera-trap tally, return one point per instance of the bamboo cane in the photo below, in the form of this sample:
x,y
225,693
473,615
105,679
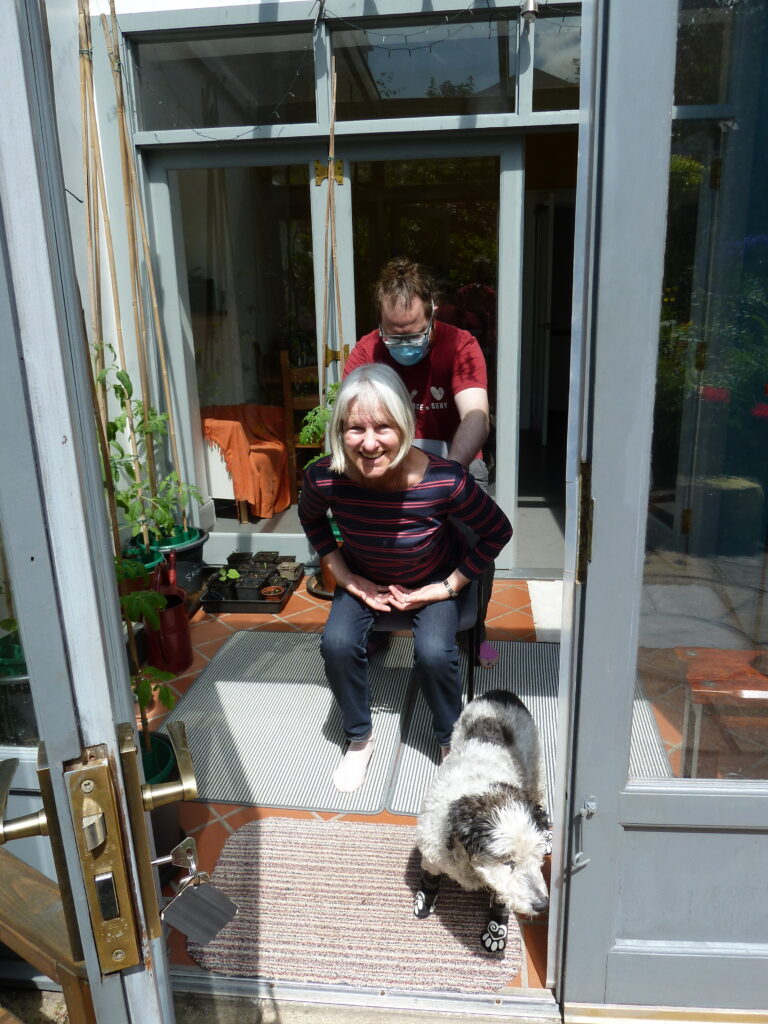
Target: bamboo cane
x,y
135,274
334,255
159,333
94,297
330,239
109,246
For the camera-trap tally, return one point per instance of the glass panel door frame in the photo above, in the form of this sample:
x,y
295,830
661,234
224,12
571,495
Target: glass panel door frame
x,y
53,508
159,168
675,829
510,249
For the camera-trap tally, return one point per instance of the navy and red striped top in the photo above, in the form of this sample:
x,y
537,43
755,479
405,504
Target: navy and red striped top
x,y
406,536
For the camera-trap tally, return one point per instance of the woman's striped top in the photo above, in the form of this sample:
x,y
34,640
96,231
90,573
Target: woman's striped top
x,y
404,537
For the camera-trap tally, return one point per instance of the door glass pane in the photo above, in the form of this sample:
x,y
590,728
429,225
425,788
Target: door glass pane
x,y
207,80
443,214
703,658
463,64
703,43
248,248
17,714
556,60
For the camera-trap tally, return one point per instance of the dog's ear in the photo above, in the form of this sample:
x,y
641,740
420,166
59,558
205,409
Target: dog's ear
x,y
540,818
470,824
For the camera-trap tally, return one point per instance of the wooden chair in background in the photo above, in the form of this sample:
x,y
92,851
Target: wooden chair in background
x,y
301,392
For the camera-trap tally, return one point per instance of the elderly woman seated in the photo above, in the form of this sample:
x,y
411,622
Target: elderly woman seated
x,y
393,505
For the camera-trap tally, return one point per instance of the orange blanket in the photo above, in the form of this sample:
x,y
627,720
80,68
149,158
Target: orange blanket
x,y
250,439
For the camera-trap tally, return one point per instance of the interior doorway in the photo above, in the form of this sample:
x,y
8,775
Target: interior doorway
x,y
495,226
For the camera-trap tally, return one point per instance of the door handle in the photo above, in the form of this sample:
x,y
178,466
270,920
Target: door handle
x,y
587,810
143,798
35,824
185,788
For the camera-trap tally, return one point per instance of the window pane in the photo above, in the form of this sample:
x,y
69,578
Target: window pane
x,y
220,80
556,61
17,714
703,44
412,69
703,658
441,213
248,247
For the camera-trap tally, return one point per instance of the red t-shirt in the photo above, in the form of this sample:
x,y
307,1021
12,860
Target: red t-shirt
x,y
453,363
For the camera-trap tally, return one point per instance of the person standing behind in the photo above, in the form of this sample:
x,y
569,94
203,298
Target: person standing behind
x,y
444,371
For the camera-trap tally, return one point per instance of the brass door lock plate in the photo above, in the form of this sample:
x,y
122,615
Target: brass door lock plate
x,y
98,830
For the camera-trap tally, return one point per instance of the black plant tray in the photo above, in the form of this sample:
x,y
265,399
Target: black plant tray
x,y
251,607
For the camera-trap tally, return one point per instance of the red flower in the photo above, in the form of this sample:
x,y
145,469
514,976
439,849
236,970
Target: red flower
x,y
761,410
710,394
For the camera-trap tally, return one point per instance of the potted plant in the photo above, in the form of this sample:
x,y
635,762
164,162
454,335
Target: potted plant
x,y
154,506
313,431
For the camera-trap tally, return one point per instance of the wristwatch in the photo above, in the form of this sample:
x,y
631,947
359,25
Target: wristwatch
x,y
451,592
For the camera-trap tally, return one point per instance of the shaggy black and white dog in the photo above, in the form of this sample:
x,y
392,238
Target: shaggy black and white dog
x,y
484,821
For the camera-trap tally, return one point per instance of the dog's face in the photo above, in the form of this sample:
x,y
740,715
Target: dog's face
x,y
501,833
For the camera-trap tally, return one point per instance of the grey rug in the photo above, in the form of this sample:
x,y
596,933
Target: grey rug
x,y
264,728
330,903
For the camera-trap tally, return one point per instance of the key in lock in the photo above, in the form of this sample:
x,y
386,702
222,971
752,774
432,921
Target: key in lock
x,y
199,910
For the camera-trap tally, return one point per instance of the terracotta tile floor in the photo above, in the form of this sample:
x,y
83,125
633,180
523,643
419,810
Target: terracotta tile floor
x,y
732,740
509,618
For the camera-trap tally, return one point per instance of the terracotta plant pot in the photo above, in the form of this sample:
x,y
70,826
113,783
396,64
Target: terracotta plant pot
x,y
273,593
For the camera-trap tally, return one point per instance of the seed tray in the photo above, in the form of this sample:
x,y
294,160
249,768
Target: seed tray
x,y
252,607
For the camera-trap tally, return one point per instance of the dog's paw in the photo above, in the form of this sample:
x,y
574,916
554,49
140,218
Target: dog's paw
x,y
494,938
424,904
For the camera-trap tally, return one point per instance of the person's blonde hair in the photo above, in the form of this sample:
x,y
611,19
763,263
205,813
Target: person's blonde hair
x,y
374,386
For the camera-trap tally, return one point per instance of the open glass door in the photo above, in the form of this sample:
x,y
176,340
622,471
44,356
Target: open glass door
x,y
60,567
670,801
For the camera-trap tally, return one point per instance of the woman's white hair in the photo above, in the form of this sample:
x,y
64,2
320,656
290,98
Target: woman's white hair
x,y
374,386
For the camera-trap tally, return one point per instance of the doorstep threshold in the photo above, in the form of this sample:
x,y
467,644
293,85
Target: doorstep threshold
x,y
342,1003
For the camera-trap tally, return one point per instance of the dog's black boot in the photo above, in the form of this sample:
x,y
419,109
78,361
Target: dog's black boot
x,y
426,898
494,938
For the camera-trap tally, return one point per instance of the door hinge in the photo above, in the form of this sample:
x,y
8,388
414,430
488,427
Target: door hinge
x,y
321,171
586,517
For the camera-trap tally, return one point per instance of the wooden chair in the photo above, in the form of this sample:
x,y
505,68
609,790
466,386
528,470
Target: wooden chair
x,y
293,403
32,925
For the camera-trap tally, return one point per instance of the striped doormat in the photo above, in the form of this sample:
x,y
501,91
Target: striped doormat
x,y
329,902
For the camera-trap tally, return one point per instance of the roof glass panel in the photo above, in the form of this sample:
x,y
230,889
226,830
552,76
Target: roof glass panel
x,y
221,80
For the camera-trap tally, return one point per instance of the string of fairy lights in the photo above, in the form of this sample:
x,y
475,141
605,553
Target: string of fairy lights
x,y
391,39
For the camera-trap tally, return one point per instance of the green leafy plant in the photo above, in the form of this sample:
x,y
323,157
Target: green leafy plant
x,y
315,423
225,574
147,683
158,504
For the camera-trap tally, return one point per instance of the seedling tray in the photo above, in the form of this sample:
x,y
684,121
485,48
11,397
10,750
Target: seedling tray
x,y
252,607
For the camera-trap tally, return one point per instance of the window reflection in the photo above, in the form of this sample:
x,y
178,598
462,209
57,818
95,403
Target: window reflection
x,y
441,213
556,60
704,34
703,659
207,81
248,248
461,65
17,714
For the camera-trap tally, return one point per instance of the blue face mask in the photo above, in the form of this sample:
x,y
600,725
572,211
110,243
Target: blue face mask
x,y
408,355
408,349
